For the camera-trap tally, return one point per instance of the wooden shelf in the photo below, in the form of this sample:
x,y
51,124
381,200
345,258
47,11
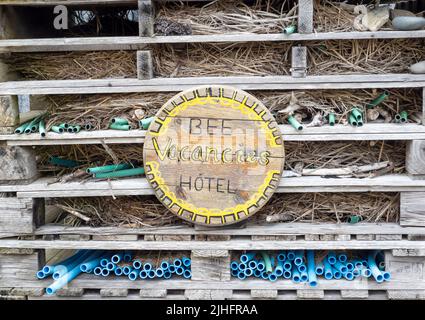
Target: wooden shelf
x,y
136,43
378,131
92,86
45,187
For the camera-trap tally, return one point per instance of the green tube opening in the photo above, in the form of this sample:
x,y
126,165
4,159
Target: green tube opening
x,y
70,129
64,125
331,119
378,100
109,168
120,173
397,117
357,114
42,128
117,120
124,127
359,123
294,123
57,129
21,128
352,120
76,129
289,30
145,123
88,126
31,127
403,116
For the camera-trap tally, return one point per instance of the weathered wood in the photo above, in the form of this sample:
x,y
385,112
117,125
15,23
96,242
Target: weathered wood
x,y
305,16
312,237
9,111
299,62
16,216
76,237
412,209
226,148
264,294
310,294
153,293
406,294
408,252
381,237
89,86
210,265
365,237
144,65
123,237
415,157
33,292
208,294
70,292
405,268
138,43
146,18
17,163
342,237
19,270
114,292
355,294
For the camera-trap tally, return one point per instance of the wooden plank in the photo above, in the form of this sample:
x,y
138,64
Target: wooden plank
x,y
146,18
305,16
210,265
137,43
299,62
405,268
9,111
202,294
153,293
113,292
17,163
412,209
355,294
406,294
16,220
65,2
144,65
378,131
415,158
213,245
91,86
310,294
44,187
264,294
18,270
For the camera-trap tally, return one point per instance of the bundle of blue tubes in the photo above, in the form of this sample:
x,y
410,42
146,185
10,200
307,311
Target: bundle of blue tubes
x,y
304,266
112,263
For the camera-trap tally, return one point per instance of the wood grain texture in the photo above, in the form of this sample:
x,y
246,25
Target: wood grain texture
x,y
214,155
16,215
264,294
305,16
9,111
415,157
310,294
412,209
210,265
299,62
405,268
19,270
17,163
146,18
144,65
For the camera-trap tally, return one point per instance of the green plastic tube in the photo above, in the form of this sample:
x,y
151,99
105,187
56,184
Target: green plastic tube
x,y
352,120
357,114
378,100
354,219
293,122
331,119
32,126
289,30
42,128
144,123
70,129
64,125
124,127
360,123
267,262
120,173
88,126
109,168
403,116
119,121
35,127
397,117
63,162
57,129
22,127
76,129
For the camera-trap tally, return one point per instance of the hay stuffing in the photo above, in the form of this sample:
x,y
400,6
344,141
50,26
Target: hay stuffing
x,y
139,212
196,60
225,16
364,56
330,17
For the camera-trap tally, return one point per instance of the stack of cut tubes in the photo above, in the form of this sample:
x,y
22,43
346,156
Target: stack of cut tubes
x,y
112,263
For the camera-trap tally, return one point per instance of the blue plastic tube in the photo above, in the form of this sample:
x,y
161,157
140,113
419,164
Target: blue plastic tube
x,y
267,262
177,262
137,264
387,276
147,266
164,265
234,272
241,275
336,273
340,267
68,260
242,266
92,263
187,274
118,271
327,269
261,265
180,270
234,265
349,276
159,273
287,274
311,268
290,255
299,257
133,275
111,266
296,276
186,262
105,272
168,275
303,276
281,256
253,264
97,271
126,270
47,269
342,257
128,256
151,274
279,269
356,273
376,273
366,272
247,257
116,258
172,268
264,275
143,274
331,257
257,273
248,272
320,268
104,262
302,268
61,270
40,274
63,281
272,277
350,266
287,265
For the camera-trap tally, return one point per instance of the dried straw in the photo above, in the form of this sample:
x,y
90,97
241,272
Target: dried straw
x,y
330,17
231,16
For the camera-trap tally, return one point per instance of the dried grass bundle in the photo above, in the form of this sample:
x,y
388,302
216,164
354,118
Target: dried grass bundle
x,y
226,16
330,17
74,65
364,56
332,207
198,60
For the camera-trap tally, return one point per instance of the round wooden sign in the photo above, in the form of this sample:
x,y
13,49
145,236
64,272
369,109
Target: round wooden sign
x,y
214,155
